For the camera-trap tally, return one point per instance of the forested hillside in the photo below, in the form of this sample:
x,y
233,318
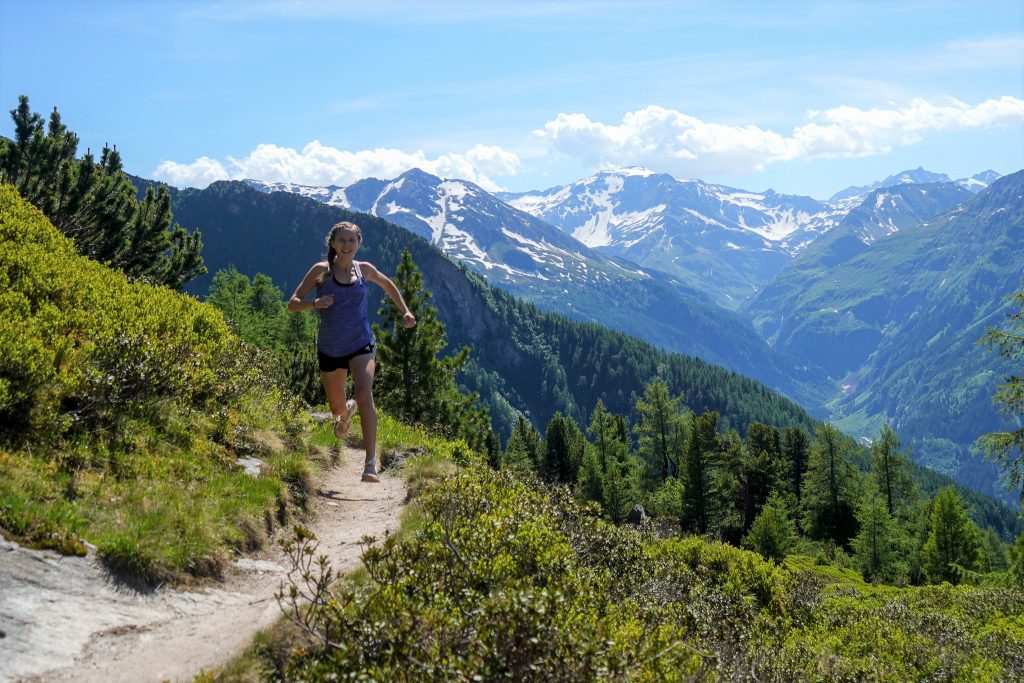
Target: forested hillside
x,y
899,321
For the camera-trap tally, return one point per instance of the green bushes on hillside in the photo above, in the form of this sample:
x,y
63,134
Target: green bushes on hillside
x,y
505,579
84,349
123,409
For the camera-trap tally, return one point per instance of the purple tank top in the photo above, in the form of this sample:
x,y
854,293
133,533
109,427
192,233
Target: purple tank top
x,y
344,327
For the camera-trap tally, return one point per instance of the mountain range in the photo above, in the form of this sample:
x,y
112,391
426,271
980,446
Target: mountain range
x,y
694,267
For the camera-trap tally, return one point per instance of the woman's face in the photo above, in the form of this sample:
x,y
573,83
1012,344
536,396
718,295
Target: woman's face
x,y
345,242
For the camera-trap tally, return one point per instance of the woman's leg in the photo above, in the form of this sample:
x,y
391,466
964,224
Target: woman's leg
x,y
334,387
362,368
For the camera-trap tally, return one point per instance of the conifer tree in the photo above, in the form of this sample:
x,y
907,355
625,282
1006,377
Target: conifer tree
x,y
702,449
889,470
1016,561
603,429
95,204
730,486
995,556
762,469
876,543
660,422
590,481
1007,447
831,487
524,448
772,534
563,449
413,383
620,493
954,542
796,452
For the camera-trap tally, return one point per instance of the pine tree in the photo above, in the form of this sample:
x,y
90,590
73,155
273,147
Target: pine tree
x,y
95,204
831,487
563,449
413,383
954,542
524,447
703,448
763,469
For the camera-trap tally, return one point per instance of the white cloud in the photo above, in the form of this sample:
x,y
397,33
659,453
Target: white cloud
x,y
199,173
669,140
659,138
318,164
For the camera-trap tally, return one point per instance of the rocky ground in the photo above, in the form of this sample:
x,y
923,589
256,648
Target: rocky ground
x,y
66,619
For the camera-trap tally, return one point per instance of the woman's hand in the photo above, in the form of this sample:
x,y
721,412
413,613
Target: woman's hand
x,y
408,320
324,301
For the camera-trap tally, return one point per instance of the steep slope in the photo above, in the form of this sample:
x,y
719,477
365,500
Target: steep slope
x,y
901,318
534,260
516,349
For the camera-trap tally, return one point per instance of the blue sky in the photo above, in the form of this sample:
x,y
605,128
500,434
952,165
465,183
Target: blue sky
x,y
801,97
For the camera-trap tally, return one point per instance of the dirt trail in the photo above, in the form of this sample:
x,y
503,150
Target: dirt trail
x,y
63,619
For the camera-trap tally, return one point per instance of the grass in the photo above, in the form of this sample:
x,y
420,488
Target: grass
x,y
164,504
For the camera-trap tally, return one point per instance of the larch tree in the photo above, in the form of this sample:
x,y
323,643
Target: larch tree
x,y
660,421
831,487
954,542
1007,447
796,452
889,470
876,544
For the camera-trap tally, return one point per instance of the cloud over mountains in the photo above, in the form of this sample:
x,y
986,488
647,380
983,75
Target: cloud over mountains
x,y
656,137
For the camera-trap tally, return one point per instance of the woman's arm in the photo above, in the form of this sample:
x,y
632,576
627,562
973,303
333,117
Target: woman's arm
x,y
384,282
298,300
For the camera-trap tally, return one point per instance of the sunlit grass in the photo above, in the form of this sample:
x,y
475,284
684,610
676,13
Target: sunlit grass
x,y
162,504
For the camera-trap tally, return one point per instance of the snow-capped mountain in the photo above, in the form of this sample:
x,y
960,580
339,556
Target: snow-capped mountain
x,y
509,246
917,176
725,241
893,208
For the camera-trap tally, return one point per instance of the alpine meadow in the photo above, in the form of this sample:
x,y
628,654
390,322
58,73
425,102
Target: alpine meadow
x,y
624,418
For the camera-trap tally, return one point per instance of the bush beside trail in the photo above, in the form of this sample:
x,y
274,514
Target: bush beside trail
x,y
123,409
505,578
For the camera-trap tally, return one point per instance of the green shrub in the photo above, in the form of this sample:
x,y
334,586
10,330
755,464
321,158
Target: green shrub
x,y
123,409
